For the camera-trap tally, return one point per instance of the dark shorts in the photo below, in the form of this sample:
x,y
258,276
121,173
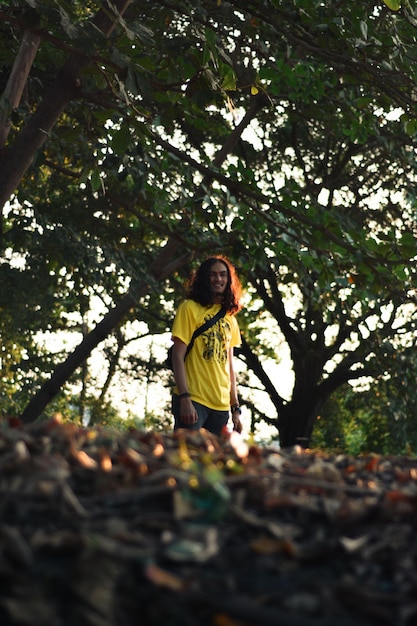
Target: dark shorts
x,y
208,418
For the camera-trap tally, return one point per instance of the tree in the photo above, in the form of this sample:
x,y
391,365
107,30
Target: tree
x,y
148,109
378,419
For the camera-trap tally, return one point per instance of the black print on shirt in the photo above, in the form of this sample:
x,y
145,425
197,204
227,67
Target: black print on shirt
x,y
215,339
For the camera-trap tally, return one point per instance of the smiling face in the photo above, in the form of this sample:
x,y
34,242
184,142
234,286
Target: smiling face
x,y
218,278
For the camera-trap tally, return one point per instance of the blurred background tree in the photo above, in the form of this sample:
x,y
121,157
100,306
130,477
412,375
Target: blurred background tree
x,y
139,140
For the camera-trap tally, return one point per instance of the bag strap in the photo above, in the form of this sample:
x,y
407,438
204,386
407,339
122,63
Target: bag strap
x,y
204,327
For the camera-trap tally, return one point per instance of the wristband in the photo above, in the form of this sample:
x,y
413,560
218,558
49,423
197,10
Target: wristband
x,y
236,407
184,395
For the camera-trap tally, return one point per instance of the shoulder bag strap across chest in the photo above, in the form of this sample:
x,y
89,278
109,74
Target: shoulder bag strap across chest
x,y
204,327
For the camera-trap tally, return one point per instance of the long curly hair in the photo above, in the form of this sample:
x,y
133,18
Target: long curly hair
x,y
199,286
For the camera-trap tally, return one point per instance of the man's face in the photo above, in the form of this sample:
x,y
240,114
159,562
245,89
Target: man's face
x,y
218,277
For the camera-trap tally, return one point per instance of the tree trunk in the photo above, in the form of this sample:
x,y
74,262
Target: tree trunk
x,y
297,419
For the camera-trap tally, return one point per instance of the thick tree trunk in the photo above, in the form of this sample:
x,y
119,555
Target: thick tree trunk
x,y
297,419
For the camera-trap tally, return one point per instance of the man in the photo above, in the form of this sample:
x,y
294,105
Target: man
x,y
205,392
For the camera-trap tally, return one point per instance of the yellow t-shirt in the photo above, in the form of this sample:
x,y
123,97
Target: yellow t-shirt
x,y
207,364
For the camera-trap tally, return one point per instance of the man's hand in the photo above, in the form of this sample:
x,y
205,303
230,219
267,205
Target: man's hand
x,y
237,424
188,414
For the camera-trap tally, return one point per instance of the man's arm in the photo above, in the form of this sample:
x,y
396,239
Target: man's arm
x,y
188,414
234,401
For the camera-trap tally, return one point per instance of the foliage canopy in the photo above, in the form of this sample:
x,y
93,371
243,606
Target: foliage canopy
x,y
137,137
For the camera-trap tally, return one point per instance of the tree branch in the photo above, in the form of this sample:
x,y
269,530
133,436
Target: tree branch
x,y
17,80
16,160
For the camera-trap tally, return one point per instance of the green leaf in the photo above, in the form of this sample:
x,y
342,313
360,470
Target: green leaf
x,y
410,127
121,140
228,78
394,5
95,180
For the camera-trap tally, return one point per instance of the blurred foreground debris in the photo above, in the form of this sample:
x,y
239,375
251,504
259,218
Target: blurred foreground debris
x,y
117,529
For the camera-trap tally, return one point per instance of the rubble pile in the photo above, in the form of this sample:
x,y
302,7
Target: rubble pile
x,y
102,528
